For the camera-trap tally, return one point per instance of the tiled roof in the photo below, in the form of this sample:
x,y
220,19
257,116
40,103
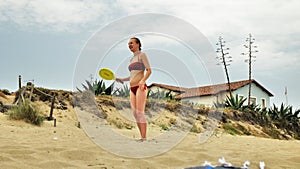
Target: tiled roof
x,y
215,89
168,87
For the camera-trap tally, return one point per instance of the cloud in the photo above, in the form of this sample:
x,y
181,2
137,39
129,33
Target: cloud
x,y
54,15
274,23
210,17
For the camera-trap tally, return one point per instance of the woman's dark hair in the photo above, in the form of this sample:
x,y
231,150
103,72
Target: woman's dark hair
x,y
138,42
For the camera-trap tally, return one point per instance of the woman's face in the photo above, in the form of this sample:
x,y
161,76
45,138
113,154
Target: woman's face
x,y
133,46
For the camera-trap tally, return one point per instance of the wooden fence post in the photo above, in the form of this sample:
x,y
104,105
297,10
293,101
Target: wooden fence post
x,y
52,106
20,82
31,92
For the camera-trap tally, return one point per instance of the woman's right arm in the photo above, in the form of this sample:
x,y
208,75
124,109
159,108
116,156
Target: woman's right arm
x,y
121,80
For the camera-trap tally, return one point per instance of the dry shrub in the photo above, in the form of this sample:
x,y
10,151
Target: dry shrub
x,y
25,111
2,95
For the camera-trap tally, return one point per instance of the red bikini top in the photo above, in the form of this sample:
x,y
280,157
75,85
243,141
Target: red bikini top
x,y
137,65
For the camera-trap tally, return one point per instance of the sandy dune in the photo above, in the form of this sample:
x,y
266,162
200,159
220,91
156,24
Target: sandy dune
x,y
25,146
66,146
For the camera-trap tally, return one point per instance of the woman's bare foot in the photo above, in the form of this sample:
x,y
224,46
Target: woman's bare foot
x,y
141,140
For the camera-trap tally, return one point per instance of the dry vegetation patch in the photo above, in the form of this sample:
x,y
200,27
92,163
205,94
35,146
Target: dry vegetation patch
x,y
163,114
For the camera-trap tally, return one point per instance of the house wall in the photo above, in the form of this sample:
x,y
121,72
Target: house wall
x,y
256,92
156,89
207,101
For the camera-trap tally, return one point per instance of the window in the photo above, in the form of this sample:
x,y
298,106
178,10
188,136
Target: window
x,y
263,103
253,101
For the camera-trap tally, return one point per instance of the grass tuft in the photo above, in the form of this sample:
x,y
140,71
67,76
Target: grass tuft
x,y
25,111
230,129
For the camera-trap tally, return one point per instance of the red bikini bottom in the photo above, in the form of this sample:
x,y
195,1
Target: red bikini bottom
x,y
134,89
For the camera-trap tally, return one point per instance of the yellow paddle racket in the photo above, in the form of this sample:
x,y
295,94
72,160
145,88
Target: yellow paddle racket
x,y
107,74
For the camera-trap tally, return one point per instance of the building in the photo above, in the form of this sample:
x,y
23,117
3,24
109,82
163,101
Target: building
x,y
208,95
155,87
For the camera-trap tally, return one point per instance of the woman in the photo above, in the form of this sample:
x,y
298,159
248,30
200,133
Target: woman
x,y
138,88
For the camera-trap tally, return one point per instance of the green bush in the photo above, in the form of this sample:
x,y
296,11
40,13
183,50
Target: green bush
x,y
164,127
195,129
243,129
5,91
25,111
229,128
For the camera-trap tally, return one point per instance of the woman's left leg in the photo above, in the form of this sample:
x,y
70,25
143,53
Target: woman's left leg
x,y
141,97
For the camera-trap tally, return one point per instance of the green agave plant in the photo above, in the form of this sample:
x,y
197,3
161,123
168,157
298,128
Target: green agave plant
x,y
122,92
97,87
284,114
235,103
160,95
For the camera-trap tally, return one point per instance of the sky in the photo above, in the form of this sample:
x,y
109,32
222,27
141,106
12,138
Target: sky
x,y
54,42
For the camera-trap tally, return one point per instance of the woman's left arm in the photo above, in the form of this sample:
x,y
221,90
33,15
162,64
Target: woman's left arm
x,y
147,67
148,73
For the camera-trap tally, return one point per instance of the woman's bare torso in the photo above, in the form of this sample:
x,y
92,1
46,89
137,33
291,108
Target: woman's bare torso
x,y
135,77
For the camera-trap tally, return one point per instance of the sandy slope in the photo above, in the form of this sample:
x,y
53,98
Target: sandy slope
x,y
24,146
67,146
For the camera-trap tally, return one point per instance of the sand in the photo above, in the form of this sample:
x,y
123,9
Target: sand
x,y
25,146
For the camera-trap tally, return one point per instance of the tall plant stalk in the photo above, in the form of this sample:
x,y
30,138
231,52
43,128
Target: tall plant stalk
x,y
250,46
224,59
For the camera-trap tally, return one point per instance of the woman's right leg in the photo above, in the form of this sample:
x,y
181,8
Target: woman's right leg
x,y
134,110
133,103
141,97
